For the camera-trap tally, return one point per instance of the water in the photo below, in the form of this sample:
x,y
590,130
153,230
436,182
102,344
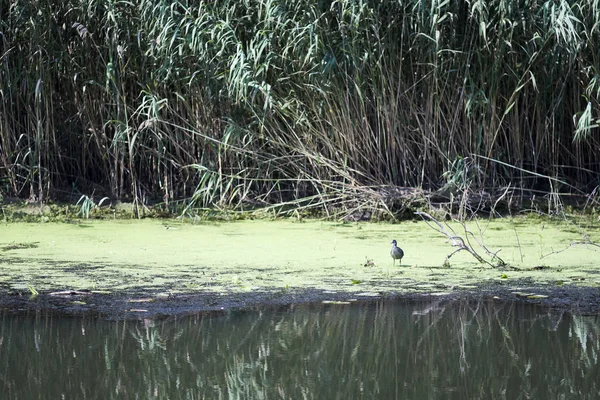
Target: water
x,y
375,351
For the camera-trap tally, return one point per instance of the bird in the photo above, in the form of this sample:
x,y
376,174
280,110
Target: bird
x,y
396,252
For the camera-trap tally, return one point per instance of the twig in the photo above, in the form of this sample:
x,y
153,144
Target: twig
x,y
585,242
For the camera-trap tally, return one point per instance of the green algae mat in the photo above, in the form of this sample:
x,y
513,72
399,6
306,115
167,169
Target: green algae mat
x,y
168,257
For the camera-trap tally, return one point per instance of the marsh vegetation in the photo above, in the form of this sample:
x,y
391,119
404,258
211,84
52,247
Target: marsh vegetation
x,y
337,105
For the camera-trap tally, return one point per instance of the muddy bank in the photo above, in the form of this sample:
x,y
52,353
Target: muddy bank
x,y
580,300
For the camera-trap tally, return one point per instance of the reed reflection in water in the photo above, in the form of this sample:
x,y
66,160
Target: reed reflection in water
x,y
385,350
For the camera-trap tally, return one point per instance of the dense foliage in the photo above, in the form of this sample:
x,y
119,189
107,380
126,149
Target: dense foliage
x,y
269,101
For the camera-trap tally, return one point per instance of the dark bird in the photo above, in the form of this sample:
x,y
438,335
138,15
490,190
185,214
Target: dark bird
x,y
396,252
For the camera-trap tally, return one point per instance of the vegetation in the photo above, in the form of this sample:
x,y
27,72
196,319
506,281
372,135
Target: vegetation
x,y
299,104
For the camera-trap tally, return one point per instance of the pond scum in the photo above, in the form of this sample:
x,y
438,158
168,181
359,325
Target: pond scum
x,y
270,260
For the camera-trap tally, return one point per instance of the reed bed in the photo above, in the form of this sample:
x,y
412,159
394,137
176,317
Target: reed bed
x,y
297,104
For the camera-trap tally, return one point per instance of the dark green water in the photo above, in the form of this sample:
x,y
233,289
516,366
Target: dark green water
x,y
376,351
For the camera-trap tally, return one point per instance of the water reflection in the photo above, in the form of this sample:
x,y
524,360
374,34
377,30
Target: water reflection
x,y
383,350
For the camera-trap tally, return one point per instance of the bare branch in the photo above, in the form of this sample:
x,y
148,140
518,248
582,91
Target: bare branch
x,y
458,241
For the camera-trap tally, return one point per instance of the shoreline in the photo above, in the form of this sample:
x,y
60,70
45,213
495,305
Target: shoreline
x,y
573,299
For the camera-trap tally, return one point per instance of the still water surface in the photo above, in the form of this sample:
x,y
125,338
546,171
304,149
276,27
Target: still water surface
x,y
371,351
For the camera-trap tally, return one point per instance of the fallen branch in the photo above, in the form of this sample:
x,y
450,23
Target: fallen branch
x,y
459,242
